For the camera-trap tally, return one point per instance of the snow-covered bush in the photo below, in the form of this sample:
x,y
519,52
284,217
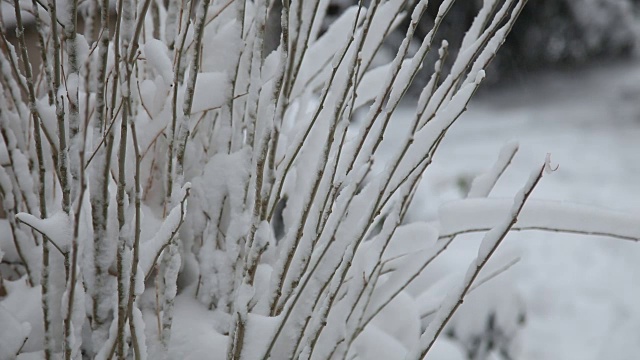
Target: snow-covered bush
x,y
172,190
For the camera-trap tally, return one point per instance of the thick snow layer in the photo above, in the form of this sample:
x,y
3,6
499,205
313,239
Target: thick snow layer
x,y
23,306
156,54
13,334
57,227
444,349
151,248
400,320
7,249
193,336
209,93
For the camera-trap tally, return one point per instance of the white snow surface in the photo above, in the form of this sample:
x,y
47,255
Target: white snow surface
x,y
12,334
156,54
193,336
209,93
57,227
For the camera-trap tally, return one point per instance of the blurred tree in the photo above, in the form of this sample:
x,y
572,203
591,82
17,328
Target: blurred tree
x,y
572,31
549,32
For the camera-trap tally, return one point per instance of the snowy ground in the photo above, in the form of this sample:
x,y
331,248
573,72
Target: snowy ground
x,y
580,293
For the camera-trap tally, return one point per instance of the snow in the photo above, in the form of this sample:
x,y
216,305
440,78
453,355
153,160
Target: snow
x,y
401,320
103,353
8,201
139,281
156,54
472,214
374,343
493,237
12,333
36,355
320,53
427,136
152,247
193,336
128,20
209,92
373,81
224,50
56,227
559,279
259,331
548,168
23,305
445,349
24,179
408,239
576,290
140,334
482,184
383,19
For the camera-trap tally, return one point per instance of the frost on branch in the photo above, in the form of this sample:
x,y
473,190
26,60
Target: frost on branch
x,y
218,199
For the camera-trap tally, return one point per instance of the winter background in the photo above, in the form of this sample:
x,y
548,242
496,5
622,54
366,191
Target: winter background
x,y
567,83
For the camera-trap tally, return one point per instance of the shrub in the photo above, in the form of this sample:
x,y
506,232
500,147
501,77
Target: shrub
x,y
172,190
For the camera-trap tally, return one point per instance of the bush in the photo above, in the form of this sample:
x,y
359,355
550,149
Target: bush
x,y
172,190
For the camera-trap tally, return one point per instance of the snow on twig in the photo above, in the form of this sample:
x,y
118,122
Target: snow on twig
x,y
151,249
490,242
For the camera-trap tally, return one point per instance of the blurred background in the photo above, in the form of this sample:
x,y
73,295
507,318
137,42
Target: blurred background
x,y
550,34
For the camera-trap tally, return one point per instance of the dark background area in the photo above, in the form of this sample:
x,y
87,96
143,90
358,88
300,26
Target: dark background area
x,y
550,34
